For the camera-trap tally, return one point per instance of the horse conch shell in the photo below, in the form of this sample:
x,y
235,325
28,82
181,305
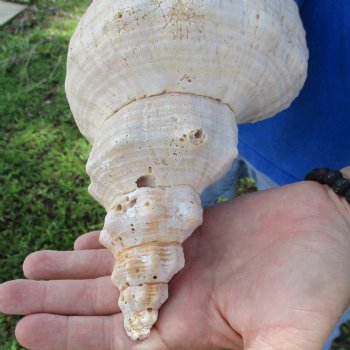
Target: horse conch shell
x,y
158,88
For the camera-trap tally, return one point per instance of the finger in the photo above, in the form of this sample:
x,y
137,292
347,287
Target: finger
x,y
44,331
84,297
88,241
80,264
346,172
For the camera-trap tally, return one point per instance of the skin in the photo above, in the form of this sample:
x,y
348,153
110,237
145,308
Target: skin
x,y
269,270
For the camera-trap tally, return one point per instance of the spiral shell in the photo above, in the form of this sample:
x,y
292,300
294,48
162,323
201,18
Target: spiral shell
x,y
158,88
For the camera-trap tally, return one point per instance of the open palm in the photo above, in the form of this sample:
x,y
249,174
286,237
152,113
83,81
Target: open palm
x,y
270,270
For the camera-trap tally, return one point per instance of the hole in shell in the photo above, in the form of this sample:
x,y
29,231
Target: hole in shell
x,y
146,204
155,277
127,284
197,136
132,203
146,181
149,309
150,169
140,285
125,206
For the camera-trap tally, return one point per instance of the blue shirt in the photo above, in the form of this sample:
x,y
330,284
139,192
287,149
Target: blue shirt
x,y
315,130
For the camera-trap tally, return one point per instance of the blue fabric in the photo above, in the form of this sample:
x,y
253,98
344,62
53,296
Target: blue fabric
x,y
315,130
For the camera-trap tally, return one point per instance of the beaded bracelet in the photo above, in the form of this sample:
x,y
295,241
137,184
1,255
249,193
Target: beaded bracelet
x,y
332,178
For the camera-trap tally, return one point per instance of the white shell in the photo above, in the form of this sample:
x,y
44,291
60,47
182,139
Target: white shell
x,y
168,140
157,87
251,55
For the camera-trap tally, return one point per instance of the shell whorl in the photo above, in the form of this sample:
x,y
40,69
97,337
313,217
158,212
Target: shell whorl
x,y
251,55
160,141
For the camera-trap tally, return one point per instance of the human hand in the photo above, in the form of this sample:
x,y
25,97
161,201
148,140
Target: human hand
x,y
270,270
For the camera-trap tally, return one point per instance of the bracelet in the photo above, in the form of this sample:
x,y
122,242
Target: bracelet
x,y
332,178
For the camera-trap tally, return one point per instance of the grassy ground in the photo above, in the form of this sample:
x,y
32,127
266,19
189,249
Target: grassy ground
x,y
44,202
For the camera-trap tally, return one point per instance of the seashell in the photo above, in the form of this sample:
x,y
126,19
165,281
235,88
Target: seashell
x,y
158,88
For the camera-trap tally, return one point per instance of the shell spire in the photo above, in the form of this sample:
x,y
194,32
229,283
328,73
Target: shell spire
x,y
148,249
158,88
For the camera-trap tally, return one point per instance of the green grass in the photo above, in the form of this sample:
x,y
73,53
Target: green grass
x,y
44,200
343,341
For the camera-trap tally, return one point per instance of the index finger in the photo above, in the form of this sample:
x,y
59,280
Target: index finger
x,y
80,264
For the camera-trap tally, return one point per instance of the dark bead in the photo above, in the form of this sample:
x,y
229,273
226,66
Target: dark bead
x,y
347,195
318,175
331,176
340,186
